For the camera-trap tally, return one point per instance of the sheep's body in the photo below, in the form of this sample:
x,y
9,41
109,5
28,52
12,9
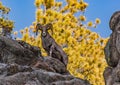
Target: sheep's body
x,y
49,44
53,49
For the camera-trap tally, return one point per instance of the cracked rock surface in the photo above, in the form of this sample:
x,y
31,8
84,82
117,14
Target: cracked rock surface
x,y
112,52
23,64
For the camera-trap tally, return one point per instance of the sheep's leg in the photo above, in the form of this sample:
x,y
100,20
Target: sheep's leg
x,y
64,55
51,50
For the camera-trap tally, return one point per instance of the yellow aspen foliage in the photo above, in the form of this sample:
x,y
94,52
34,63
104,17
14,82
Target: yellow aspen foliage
x,y
38,14
26,29
82,18
38,3
82,5
15,33
5,23
90,24
49,3
83,47
21,31
58,4
97,21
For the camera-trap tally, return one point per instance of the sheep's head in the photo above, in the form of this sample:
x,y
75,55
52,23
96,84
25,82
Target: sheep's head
x,y
44,28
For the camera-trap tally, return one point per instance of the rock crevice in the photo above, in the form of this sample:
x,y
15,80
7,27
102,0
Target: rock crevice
x,y
112,52
23,64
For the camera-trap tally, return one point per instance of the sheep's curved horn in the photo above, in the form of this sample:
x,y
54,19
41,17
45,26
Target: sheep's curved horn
x,y
38,27
49,26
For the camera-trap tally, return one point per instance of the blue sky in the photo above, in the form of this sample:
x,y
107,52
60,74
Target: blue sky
x,y
23,13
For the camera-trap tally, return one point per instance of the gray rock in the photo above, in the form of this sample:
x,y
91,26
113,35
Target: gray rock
x,y
23,64
41,77
112,52
13,52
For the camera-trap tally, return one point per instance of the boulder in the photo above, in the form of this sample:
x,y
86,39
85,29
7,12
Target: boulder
x,y
23,64
112,52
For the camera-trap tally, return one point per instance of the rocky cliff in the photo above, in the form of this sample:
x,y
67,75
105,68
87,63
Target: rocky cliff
x,y
112,52
23,64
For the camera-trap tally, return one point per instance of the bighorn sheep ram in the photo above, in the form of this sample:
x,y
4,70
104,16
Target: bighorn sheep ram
x,y
49,44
